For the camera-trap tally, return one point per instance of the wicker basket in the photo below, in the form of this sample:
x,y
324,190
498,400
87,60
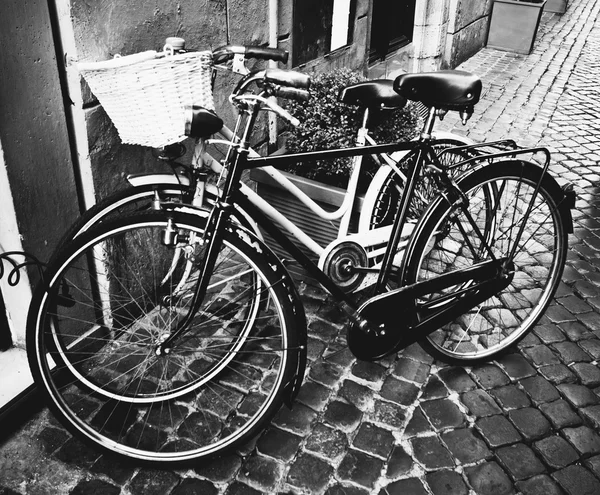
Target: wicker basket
x,y
146,94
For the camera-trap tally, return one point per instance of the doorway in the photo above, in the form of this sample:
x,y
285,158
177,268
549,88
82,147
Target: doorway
x,y
38,187
392,27
5,337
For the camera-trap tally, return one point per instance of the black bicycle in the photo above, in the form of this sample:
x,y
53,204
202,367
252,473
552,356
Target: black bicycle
x,y
172,336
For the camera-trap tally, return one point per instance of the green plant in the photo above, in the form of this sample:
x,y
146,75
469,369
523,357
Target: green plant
x,y
326,123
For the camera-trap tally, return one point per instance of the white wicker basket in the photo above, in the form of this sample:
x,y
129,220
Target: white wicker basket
x,y
146,94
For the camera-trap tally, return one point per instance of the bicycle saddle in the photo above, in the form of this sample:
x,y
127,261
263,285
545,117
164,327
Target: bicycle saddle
x,y
444,89
376,93
201,123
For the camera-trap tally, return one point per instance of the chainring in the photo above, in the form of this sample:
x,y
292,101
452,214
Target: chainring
x,y
340,263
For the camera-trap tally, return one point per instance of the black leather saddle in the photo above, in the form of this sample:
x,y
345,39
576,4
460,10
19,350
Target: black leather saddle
x,y
377,93
444,89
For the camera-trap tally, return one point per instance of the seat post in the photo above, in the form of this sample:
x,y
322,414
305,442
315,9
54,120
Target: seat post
x,y
428,126
361,137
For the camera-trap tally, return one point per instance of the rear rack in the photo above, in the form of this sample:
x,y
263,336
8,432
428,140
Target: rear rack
x,y
492,151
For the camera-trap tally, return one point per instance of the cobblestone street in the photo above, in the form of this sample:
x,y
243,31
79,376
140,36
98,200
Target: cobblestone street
x,y
527,423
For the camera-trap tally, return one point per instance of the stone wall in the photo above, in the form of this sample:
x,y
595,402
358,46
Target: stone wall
x,y
431,25
467,30
447,32
106,27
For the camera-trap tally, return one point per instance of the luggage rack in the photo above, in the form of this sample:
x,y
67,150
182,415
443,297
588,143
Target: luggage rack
x,y
486,153
506,148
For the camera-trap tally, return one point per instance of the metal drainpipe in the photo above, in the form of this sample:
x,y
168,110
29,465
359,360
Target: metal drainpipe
x,y
78,144
273,36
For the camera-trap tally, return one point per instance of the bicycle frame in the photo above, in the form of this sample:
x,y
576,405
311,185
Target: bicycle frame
x,y
343,213
233,193
482,280
488,277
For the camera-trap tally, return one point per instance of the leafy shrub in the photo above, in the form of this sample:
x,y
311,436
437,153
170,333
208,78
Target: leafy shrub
x,y
326,123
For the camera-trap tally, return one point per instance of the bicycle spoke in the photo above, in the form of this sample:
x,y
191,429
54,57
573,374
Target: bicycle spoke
x,y
220,378
503,216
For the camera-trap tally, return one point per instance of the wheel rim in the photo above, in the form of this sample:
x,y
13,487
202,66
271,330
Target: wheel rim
x,y
500,321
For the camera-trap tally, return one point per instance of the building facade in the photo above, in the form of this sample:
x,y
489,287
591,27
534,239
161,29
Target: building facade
x,y
59,153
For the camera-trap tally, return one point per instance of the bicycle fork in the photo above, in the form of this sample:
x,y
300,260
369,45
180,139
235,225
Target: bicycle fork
x,y
214,233
212,239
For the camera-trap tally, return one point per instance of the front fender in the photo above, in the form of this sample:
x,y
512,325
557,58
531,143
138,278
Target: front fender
x,y
298,337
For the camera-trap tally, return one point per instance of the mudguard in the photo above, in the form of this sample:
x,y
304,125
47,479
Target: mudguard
x,y
295,380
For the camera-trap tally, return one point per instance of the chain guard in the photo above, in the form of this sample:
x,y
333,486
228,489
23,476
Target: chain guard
x,y
376,334
389,321
339,264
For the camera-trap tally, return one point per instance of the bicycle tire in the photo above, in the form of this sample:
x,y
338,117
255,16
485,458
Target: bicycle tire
x,y
130,200
137,199
382,199
92,344
490,328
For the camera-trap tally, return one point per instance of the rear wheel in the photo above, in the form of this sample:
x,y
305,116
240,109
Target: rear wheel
x,y
95,336
383,198
126,202
138,199
498,196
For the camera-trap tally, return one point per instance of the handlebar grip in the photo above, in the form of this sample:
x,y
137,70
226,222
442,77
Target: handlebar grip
x,y
292,93
288,78
227,52
267,53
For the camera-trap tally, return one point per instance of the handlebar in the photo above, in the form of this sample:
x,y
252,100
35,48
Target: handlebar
x,y
274,82
228,52
275,79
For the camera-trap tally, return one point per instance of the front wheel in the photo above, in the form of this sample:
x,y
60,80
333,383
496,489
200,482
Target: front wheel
x,y
95,336
446,240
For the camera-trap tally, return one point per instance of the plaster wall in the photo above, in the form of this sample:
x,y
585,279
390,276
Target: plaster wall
x,y
38,193
33,129
106,27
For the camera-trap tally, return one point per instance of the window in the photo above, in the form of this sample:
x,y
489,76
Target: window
x,y
392,26
320,27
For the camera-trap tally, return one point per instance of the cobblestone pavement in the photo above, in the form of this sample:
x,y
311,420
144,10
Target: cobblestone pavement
x,y
527,423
